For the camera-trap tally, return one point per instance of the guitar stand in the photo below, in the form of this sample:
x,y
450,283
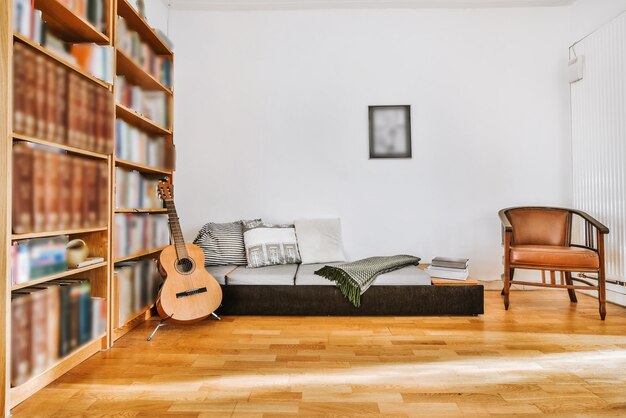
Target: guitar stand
x,y
159,325
162,324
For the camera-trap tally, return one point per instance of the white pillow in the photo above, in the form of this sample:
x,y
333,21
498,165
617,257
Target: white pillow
x,y
319,240
269,244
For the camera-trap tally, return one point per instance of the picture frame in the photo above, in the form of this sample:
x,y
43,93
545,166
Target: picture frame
x,y
390,131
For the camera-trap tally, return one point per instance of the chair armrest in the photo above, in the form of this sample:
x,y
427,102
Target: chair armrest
x,y
593,221
506,224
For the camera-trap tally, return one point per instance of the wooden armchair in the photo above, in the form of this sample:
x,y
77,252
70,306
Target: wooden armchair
x,y
540,238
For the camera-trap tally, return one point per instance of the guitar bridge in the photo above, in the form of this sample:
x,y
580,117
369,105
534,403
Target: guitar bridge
x,y
191,292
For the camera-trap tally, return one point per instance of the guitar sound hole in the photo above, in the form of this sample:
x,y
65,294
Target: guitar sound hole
x,y
184,265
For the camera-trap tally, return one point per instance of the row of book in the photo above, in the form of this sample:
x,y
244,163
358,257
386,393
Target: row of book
x,y
54,191
96,60
151,104
135,145
49,321
137,286
53,103
449,268
131,43
134,190
38,257
138,233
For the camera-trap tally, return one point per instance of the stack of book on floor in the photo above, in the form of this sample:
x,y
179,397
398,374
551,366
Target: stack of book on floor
x,y
449,268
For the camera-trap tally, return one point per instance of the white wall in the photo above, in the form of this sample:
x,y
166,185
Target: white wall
x,y
271,121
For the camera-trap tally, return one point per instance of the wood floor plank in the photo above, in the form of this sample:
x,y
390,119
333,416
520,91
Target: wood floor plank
x,y
543,357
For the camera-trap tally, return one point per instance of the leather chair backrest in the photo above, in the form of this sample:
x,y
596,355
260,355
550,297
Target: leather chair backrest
x,y
536,226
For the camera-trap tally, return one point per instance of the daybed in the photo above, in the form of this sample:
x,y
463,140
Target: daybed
x,y
294,289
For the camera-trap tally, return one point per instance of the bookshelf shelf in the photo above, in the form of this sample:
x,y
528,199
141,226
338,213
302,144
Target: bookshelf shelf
x,y
139,255
139,24
141,167
71,150
15,237
53,56
20,393
137,75
60,275
127,210
140,121
68,25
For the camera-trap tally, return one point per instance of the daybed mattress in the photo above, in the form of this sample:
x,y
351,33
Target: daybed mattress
x,y
407,276
219,272
282,275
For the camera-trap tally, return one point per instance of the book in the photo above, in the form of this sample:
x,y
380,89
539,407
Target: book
x,y
447,273
51,191
460,263
90,193
19,85
90,261
77,194
20,339
22,188
39,189
64,188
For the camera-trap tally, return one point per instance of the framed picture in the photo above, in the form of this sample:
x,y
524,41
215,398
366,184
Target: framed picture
x,y
390,131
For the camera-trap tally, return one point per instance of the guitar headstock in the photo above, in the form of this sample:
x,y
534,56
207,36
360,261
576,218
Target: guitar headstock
x,y
166,190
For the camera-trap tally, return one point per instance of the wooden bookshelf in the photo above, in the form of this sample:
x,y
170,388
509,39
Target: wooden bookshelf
x,y
139,24
22,392
127,210
140,121
141,167
60,275
65,24
136,75
141,254
70,150
20,38
68,25
44,234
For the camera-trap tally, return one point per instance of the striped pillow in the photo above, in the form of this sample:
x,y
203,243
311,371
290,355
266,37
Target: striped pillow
x,y
222,244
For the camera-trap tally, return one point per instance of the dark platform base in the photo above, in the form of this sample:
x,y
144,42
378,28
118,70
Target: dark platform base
x,y
465,300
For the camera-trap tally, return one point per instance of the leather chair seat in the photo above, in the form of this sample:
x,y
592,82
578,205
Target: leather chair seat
x,y
554,256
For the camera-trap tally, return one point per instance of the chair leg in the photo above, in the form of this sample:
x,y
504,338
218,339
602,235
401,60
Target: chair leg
x,y
602,294
569,282
510,278
507,286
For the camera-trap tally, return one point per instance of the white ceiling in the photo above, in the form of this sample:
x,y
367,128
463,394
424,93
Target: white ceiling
x,y
356,4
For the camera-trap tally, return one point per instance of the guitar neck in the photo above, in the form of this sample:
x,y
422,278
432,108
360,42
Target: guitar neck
x,y
177,233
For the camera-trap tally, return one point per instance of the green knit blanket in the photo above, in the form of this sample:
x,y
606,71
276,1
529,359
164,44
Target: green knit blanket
x,y
354,278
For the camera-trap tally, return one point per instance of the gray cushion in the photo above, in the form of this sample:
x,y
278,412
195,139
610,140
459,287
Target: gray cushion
x,y
407,276
219,272
283,274
306,275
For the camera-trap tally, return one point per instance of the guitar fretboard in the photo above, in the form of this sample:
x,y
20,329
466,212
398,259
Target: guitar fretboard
x,y
177,233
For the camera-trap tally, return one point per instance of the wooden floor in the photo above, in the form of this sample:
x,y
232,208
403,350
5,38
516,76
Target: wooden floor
x,y
544,356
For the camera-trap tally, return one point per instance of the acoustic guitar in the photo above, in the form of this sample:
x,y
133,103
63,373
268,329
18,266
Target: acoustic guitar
x,y
189,293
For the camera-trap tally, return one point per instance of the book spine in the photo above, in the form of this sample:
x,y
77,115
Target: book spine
x,y
22,188
39,189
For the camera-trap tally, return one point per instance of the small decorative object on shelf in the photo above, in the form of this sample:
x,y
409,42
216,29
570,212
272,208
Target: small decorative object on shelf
x,y
77,252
